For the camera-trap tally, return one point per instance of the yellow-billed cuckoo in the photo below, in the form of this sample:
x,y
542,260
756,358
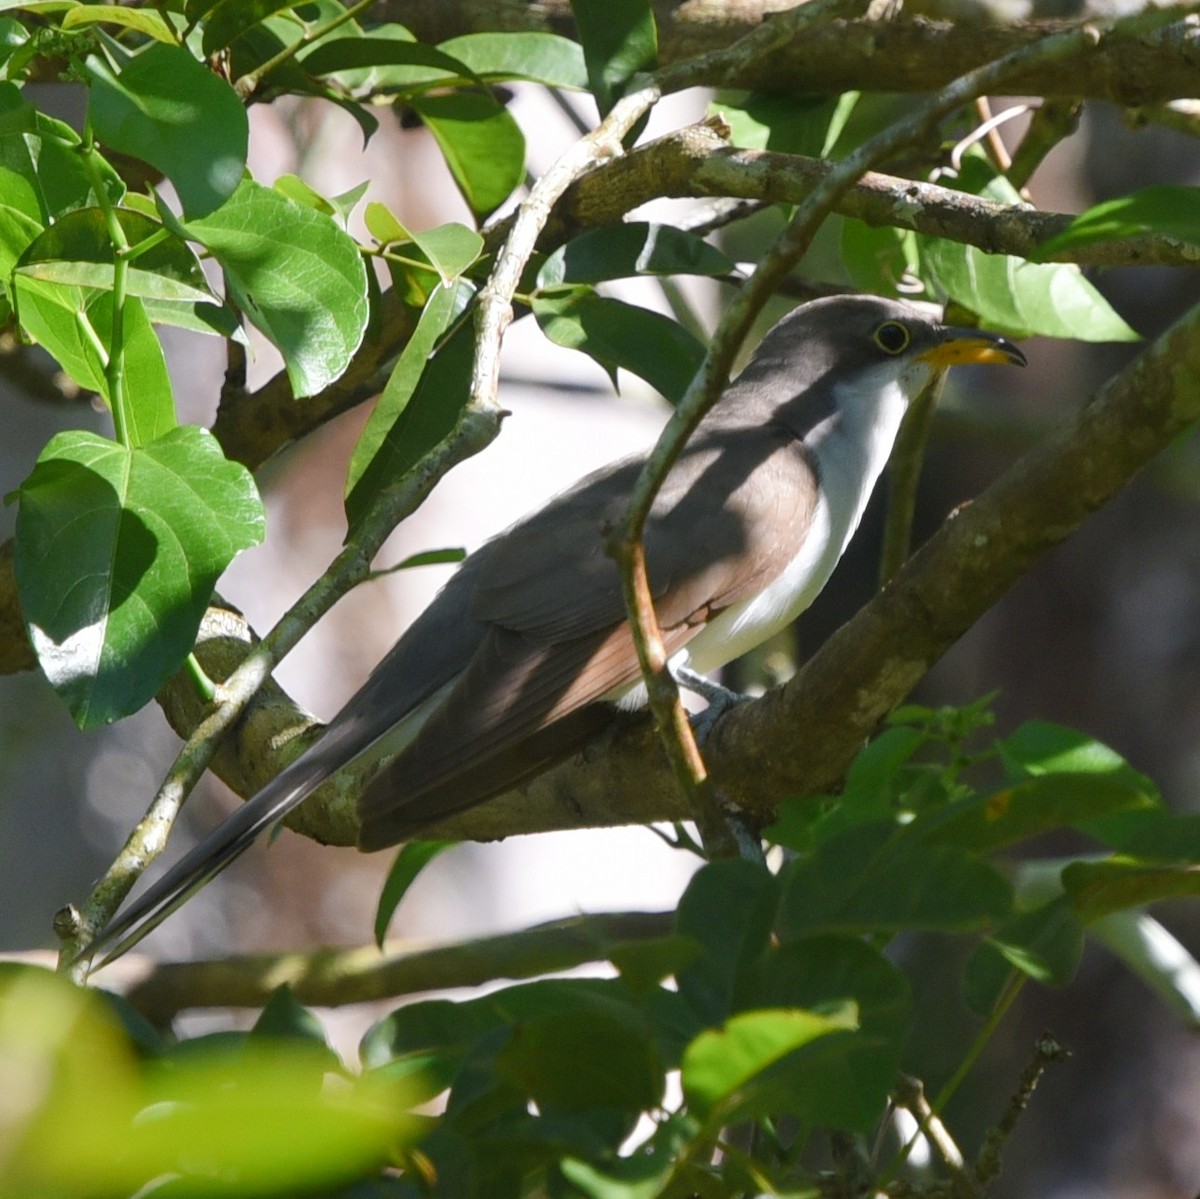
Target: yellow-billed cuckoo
x,y
525,652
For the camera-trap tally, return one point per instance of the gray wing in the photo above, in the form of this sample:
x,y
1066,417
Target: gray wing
x,y
557,639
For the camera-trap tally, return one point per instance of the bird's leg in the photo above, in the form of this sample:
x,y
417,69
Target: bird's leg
x,y
720,700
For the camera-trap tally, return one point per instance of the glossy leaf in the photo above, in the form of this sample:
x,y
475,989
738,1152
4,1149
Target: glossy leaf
x,y
387,46
225,23
1021,298
616,334
392,440
634,248
117,551
143,20
720,1066
619,40
1016,296
539,57
296,276
76,250
171,111
1169,211
481,142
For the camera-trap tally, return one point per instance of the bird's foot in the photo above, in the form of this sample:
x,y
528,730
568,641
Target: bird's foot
x,y
719,699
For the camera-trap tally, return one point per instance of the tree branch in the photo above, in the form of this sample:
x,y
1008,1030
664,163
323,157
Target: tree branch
x,y
904,55
336,977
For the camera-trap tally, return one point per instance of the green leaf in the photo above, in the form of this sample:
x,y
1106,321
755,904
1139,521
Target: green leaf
x,y
117,552
1022,298
728,908
295,274
616,334
1013,295
843,1080
1151,834
1046,944
394,439
721,1066
985,823
1167,210
539,57
619,40
481,142
807,125
410,861
1040,747
172,112
75,325
76,250
1099,888
41,170
388,46
144,21
635,248
588,1059
17,232
225,23
421,411
878,258
871,879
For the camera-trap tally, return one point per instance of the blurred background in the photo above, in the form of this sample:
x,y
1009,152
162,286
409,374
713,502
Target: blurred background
x,y
1104,635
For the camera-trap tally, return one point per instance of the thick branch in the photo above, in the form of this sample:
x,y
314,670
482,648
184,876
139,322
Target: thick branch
x,y
698,162
906,55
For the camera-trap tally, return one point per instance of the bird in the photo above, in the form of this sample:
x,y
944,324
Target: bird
x,y
526,653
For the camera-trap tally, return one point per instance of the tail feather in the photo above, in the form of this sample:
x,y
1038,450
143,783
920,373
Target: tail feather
x,y
206,860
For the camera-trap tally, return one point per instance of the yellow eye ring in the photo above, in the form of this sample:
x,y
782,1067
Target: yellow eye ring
x,y
892,337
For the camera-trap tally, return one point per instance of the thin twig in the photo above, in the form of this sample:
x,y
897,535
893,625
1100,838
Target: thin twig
x,y
1053,121
1046,1052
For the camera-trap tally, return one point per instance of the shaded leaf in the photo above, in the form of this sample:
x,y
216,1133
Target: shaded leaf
x,y
616,334
728,908
394,439
871,878
842,1080
1099,888
171,111
619,40
634,248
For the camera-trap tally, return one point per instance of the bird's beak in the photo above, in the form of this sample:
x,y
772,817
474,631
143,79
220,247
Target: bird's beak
x,y
957,347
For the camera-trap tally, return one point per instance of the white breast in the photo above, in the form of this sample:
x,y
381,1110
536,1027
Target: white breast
x,y
852,448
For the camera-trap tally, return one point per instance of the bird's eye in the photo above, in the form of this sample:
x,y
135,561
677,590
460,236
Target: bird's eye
x,y
892,337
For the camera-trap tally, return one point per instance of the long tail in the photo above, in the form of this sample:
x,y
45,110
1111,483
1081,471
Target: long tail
x,y
231,838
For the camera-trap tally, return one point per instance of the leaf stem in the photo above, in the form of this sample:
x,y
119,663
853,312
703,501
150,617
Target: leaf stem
x,y
114,368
